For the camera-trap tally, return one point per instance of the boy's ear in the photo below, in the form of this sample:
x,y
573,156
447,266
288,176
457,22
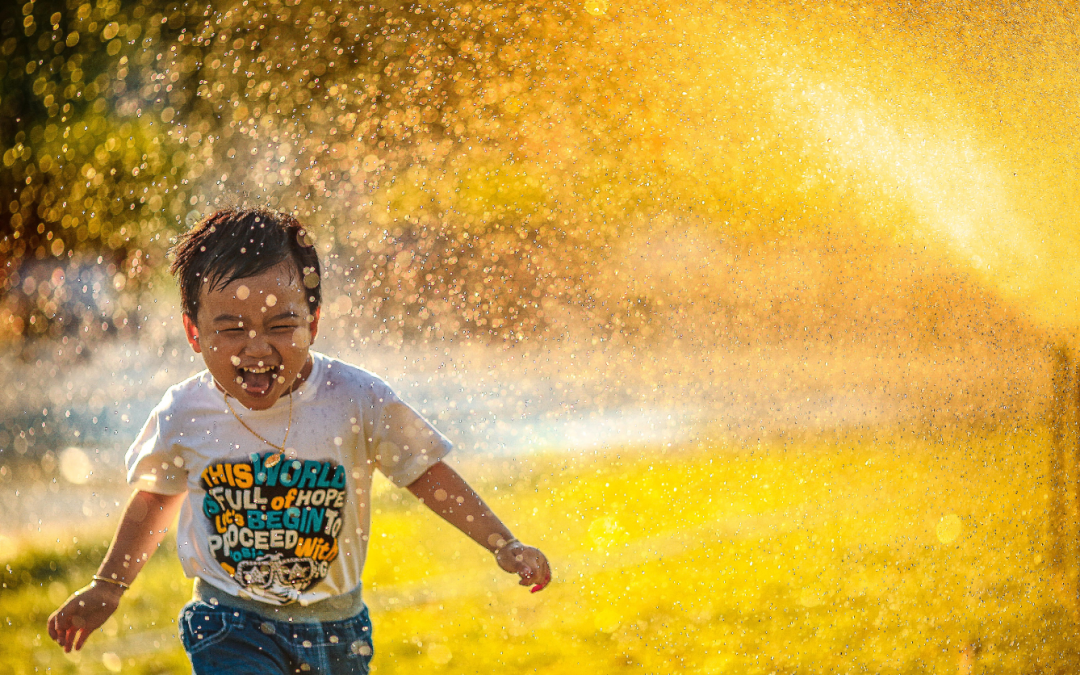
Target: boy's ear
x,y
315,324
192,332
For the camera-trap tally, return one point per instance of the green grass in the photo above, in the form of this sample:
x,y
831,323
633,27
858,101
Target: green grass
x,y
815,556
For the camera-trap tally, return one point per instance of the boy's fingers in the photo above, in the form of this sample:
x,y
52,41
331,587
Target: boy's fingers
x,y
533,568
525,571
80,640
535,573
528,571
59,629
545,578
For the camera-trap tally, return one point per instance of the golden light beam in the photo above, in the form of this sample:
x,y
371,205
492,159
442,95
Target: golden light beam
x,y
926,148
956,189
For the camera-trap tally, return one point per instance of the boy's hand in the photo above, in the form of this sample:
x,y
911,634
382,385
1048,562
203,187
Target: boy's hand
x,y
142,527
526,562
447,494
83,613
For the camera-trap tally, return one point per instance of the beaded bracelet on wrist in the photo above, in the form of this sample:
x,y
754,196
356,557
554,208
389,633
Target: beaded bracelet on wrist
x,y
114,582
499,549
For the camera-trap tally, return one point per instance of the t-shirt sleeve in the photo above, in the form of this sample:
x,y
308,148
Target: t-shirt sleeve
x,y
403,444
154,462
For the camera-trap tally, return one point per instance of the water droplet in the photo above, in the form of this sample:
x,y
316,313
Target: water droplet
x,y
596,7
948,529
360,647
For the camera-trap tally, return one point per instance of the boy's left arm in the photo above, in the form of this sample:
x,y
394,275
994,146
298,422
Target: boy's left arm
x,y
446,493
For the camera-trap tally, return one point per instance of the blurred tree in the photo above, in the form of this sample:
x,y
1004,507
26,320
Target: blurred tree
x,y
394,127
85,166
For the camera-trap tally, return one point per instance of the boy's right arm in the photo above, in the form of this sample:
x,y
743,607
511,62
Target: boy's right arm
x,y
142,527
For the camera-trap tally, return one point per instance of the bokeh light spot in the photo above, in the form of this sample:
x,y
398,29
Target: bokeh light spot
x,y
75,465
596,7
948,528
440,654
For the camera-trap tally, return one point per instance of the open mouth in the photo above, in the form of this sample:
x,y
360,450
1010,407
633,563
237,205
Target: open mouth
x,y
257,380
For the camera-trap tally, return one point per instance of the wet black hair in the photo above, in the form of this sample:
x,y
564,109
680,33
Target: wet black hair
x,y
236,244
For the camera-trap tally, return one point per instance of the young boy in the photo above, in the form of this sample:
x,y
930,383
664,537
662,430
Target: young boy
x,y
269,454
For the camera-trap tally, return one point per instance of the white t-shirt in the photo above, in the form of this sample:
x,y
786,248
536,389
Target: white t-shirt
x,y
297,531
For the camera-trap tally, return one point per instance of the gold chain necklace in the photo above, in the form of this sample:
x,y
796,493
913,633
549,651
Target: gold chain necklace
x,y
273,459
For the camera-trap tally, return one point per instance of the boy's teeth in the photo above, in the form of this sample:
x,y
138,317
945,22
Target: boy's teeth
x,y
258,380
264,369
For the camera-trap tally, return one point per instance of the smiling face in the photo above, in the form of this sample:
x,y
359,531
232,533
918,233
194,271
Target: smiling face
x,y
254,335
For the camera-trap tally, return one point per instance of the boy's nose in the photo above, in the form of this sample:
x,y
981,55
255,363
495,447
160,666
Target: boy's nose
x,y
257,344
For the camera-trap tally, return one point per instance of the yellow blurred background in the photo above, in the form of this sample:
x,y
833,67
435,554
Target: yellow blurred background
x,y
746,309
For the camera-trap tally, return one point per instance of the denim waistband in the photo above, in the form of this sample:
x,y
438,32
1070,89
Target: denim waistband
x,y
337,608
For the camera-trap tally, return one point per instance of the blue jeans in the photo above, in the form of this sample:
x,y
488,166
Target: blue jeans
x,y
229,641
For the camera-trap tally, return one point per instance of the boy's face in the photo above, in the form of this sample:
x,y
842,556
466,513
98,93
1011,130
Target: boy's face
x,y
254,335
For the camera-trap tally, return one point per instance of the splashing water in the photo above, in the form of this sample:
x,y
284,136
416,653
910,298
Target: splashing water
x,y
684,220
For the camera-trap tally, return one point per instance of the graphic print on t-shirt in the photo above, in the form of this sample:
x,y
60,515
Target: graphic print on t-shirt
x,y
274,529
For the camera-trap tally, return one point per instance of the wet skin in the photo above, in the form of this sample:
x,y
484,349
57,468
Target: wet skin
x,y
255,335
